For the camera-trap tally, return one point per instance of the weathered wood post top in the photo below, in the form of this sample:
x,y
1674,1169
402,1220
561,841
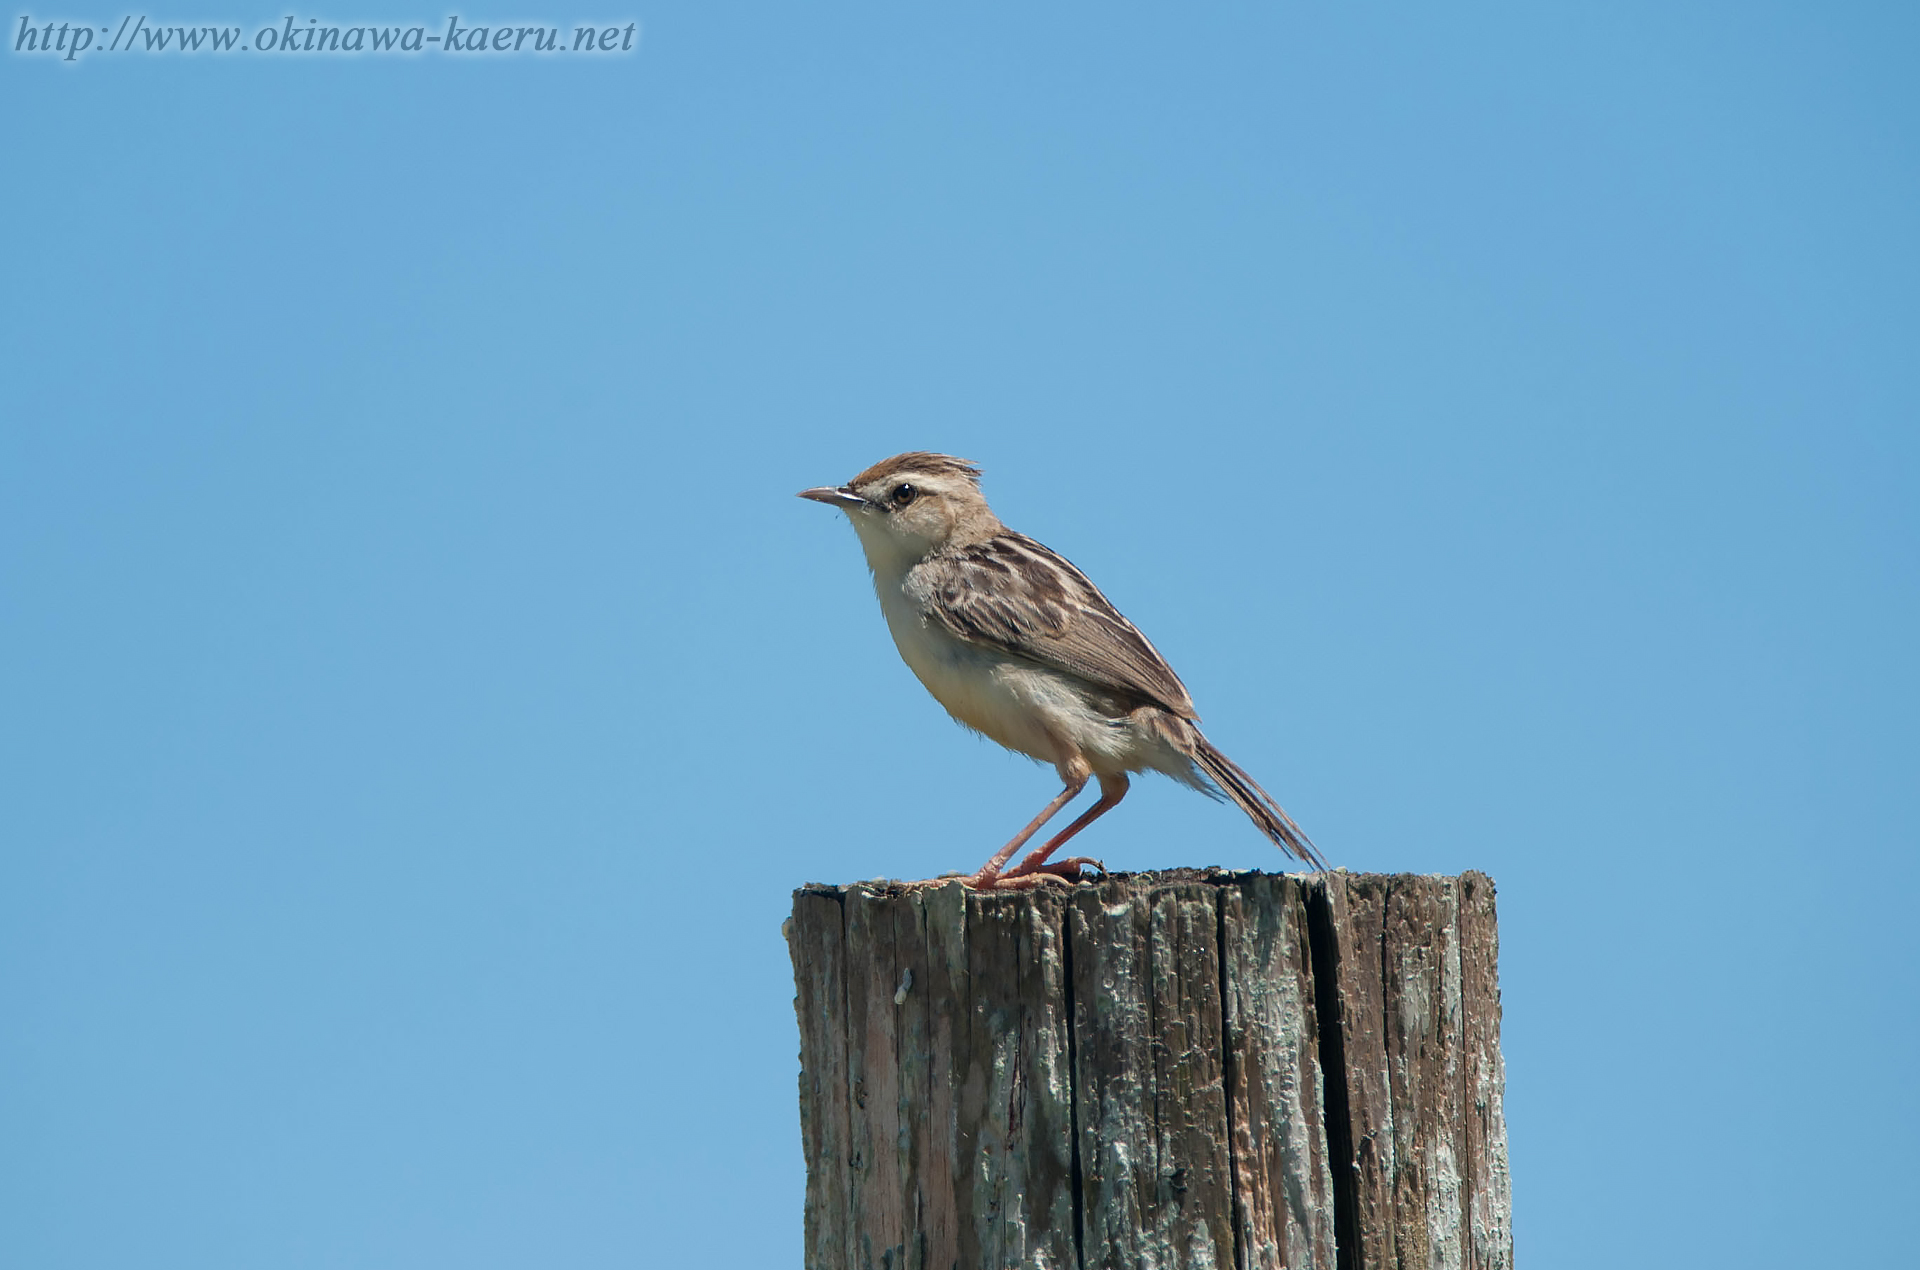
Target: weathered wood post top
x,y
1192,1068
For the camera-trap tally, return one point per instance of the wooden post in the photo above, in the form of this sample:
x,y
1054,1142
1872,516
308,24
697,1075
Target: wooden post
x,y
1184,1069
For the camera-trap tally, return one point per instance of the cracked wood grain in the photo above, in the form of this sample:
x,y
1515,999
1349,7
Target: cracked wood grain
x,y
1156,1188
1188,1069
818,947
1283,1184
1489,1198
1412,977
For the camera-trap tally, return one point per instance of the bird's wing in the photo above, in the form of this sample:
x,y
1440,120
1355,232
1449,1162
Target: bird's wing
x,y
1013,594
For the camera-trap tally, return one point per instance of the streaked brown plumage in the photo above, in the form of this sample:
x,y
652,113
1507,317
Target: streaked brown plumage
x,y
1013,592
1018,644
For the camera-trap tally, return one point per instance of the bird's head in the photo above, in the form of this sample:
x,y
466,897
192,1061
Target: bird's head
x,y
911,505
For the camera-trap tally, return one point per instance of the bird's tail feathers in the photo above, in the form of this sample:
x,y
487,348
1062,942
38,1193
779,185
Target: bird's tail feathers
x,y
1255,801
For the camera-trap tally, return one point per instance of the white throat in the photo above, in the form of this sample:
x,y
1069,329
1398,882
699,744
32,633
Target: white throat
x,y
889,553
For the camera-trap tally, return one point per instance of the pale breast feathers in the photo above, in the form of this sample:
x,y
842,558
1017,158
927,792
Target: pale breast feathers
x,y
1011,593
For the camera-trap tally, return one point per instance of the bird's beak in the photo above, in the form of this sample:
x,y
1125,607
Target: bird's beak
x,y
841,497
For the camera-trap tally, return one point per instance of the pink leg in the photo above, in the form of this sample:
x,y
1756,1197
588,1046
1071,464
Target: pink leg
x,y
989,872
1112,790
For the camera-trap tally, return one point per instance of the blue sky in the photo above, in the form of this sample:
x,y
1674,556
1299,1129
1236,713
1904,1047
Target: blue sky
x,y
420,692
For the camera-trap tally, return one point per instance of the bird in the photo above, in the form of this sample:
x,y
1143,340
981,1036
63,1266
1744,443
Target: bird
x,y
1018,645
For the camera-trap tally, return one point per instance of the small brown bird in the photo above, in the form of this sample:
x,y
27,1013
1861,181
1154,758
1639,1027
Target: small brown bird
x,y
1017,644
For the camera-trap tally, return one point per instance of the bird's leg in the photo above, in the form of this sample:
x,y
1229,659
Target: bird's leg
x,y
1112,790
989,873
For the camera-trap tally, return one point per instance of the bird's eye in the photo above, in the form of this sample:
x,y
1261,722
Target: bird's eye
x,y
904,494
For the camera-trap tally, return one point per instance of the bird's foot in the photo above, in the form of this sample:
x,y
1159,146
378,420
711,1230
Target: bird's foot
x,y
1025,876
